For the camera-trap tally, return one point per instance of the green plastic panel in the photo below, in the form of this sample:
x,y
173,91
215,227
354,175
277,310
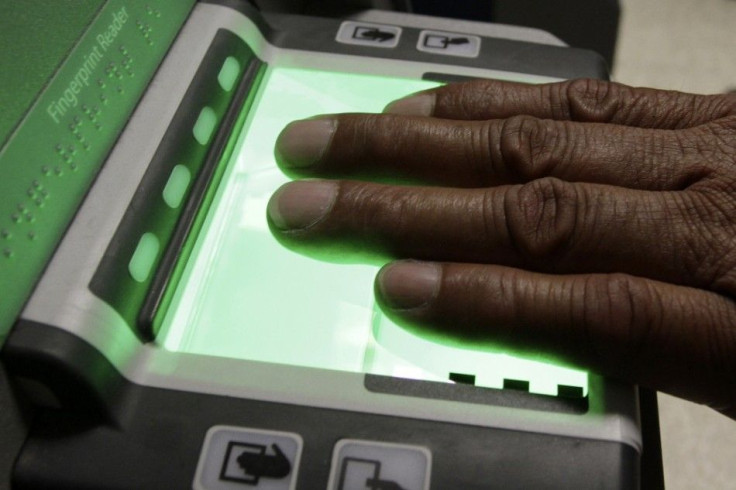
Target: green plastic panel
x,y
28,60
245,296
49,162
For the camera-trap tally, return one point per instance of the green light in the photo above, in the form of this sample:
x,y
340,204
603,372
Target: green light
x,y
435,358
144,257
245,296
205,125
176,186
228,73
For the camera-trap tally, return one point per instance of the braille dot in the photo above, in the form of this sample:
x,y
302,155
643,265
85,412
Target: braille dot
x,y
32,235
7,252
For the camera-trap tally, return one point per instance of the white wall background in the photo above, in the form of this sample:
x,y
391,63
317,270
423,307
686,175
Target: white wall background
x,y
686,45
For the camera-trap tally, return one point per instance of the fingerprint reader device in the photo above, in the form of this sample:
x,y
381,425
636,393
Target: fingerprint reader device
x,y
240,278
166,324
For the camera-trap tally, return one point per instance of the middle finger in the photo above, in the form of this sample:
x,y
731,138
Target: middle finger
x,y
546,225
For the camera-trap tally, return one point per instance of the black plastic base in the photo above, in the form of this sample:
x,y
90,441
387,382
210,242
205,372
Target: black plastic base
x,y
113,434
159,446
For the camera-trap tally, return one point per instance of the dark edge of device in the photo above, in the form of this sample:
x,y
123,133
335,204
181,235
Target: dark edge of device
x,y
16,417
80,378
111,433
501,54
162,277
432,76
652,468
437,390
246,8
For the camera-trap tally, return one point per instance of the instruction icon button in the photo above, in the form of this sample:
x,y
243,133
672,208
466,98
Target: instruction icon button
x,y
369,465
448,43
235,457
367,34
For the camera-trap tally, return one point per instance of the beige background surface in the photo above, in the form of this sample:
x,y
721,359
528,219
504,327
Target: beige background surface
x,y
687,45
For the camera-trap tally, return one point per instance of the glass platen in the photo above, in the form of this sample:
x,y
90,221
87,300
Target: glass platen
x,y
245,296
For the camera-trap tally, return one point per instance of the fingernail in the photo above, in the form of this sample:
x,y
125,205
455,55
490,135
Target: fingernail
x,y
299,205
303,143
409,285
413,105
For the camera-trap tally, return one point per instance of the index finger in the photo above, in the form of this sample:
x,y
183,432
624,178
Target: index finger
x,y
584,100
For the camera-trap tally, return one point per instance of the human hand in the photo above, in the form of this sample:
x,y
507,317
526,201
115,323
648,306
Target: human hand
x,y
585,218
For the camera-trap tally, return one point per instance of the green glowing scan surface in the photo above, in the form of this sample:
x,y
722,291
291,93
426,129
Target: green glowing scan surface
x,y
245,296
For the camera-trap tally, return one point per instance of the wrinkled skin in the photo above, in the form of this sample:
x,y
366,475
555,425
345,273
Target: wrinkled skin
x,y
585,218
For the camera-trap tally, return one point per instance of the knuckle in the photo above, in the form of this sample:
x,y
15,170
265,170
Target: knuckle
x,y
622,316
590,99
693,163
527,147
541,217
719,106
719,137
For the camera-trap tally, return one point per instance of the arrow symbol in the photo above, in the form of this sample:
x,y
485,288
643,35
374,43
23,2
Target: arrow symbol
x,y
457,41
374,34
377,484
260,465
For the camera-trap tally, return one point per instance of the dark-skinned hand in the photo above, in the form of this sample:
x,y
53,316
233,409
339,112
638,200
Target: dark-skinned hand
x,y
585,218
